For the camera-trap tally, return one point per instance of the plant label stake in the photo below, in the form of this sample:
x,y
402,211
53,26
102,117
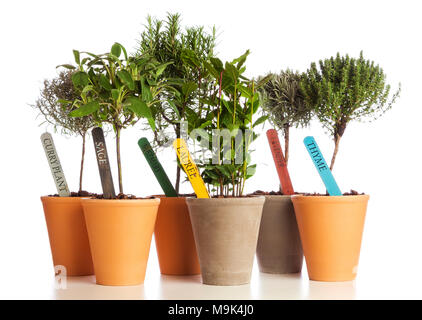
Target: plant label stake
x,y
322,167
103,163
55,166
190,168
157,168
280,162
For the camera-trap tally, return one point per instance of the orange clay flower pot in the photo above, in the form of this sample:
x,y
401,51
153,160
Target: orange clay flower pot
x,y
174,238
67,233
331,229
120,233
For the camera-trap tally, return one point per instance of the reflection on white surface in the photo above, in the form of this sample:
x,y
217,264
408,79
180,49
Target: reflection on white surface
x,y
262,286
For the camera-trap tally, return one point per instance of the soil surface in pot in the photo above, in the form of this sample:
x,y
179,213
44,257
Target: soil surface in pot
x,y
122,196
77,194
350,193
279,193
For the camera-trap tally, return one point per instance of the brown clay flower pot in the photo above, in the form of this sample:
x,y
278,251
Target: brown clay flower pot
x,y
120,233
279,249
68,236
331,230
226,233
174,238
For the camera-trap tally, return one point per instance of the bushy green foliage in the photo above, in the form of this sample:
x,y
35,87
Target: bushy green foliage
x,y
116,89
232,109
342,89
284,103
187,50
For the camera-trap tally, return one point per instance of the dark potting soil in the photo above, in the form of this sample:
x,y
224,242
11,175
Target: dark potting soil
x,y
122,196
350,193
279,193
84,194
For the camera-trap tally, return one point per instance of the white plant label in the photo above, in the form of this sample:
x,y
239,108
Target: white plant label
x,y
55,166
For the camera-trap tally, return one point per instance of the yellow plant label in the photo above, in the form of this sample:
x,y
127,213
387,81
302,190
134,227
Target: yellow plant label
x,y
190,168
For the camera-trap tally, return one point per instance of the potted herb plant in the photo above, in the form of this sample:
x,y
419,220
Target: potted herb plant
x,y
279,249
118,91
64,215
226,226
187,49
340,90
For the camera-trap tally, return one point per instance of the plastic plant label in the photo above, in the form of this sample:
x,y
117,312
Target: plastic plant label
x,y
322,167
280,162
157,168
190,168
103,163
55,166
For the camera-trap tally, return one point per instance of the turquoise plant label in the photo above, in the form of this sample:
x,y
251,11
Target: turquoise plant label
x,y
322,167
55,166
157,168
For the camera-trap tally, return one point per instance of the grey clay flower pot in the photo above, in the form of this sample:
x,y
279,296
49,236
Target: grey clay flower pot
x,y
279,248
226,234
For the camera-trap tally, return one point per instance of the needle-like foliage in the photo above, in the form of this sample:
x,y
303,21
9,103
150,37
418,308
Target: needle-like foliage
x,y
343,89
186,49
284,103
56,102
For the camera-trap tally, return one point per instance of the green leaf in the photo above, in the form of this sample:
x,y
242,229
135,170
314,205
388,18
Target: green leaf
x,y
67,66
105,82
126,78
77,57
146,91
250,171
161,68
80,79
141,109
85,110
116,50
174,108
260,120
115,94
217,64
188,88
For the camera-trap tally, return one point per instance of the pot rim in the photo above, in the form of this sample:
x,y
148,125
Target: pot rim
x,y
120,202
337,199
228,201
61,199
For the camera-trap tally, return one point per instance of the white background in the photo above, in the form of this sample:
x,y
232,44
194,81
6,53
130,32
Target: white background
x,y
381,158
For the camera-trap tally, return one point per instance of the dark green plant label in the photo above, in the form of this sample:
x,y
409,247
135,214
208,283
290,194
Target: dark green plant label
x,y
103,163
55,166
157,168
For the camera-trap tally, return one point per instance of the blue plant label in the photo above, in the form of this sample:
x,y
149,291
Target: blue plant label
x,y
322,167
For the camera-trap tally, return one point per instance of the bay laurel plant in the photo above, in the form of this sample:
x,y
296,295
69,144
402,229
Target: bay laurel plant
x,y
54,105
343,89
187,49
225,125
116,90
284,103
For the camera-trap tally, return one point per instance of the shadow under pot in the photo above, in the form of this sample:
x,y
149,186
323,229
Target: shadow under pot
x,y
279,249
226,234
120,233
68,235
174,238
331,230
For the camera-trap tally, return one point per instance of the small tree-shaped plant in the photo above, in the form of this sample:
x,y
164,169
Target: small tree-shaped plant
x,y
284,103
187,50
56,102
343,89
231,108
117,90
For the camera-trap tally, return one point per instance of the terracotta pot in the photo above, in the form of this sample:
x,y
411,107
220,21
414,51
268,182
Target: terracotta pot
x,y
279,249
226,233
120,233
174,238
331,230
67,233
